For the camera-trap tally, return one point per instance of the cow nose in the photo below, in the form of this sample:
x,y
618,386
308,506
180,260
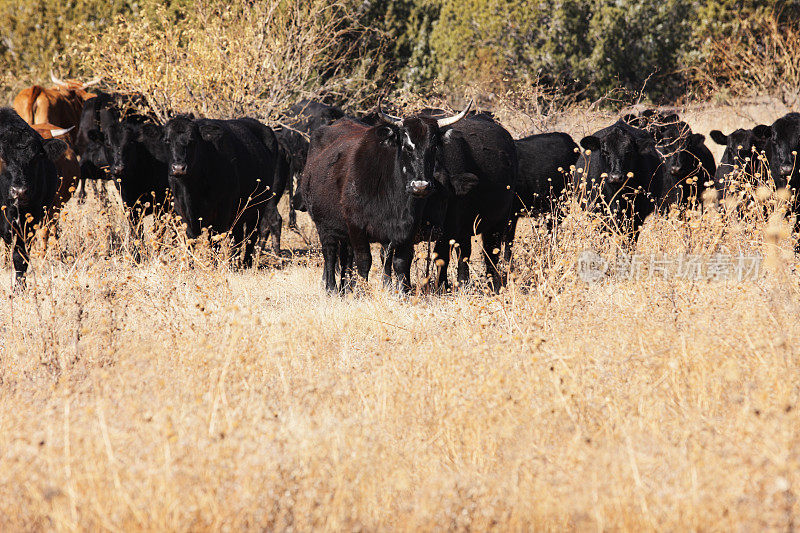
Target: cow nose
x,y
786,170
178,169
675,170
117,170
614,176
419,187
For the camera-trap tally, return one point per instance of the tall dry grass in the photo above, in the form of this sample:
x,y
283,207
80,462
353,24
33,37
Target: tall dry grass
x,y
759,59
182,394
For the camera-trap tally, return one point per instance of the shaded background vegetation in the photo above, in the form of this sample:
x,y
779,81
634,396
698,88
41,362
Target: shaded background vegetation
x,y
667,50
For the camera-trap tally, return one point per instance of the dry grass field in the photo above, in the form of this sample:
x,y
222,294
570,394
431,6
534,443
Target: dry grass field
x,y
184,395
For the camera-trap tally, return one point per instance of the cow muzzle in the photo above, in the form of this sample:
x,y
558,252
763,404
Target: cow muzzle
x,y
118,170
614,177
674,170
786,170
419,188
178,169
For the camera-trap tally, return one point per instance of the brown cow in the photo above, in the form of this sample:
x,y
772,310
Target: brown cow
x,y
60,105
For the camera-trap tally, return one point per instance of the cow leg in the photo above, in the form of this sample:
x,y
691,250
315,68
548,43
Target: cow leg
x,y
330,251
245,238
137,234
80,192
292,213
463,255
20,259
491,243
387,252
362,253
401,261
249,251
796,230
511,232
441,249
275,221
347,283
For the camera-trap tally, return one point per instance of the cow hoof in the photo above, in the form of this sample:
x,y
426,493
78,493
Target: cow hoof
x,y
19,284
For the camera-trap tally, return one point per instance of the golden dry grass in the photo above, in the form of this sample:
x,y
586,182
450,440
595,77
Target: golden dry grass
x,y
172,397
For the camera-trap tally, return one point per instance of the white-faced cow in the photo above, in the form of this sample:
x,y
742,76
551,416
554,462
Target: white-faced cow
x,y
364,184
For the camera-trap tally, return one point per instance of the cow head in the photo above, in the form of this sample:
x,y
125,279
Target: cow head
x,y
784,144
26,161
95,158
742,146
677,143
618,151
417,141
120,138
184,143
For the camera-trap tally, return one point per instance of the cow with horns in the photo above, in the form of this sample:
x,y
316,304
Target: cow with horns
x,y
364,184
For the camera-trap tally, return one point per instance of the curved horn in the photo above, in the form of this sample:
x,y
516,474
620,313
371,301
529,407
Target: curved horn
x,y
63,131
91,82
56,80
388,118
449,121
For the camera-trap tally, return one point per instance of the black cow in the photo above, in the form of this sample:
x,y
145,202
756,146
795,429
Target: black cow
x,y
302,119
544,161
622,174
783,145
364,184
138,165
688,162
742,159
90,139
271,220
220,175
28,184
480,161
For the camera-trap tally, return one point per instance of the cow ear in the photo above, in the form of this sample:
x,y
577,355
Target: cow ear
x,y
211,133
451,135
460,184
697,139
150,133
54,148
590,142
719,137
762,131
646,144
152,137
385,133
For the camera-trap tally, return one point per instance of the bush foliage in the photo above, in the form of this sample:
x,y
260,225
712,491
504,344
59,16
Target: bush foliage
x,y
590,47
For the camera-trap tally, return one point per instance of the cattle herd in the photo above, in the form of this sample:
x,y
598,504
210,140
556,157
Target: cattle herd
x,y
432,177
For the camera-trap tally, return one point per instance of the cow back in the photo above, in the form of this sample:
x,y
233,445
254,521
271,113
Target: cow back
x,y
544,161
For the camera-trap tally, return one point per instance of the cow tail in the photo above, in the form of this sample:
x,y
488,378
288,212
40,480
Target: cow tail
x,y
292,212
